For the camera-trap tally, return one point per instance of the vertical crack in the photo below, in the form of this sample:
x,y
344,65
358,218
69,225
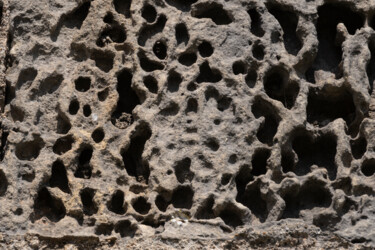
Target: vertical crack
x,y
5,42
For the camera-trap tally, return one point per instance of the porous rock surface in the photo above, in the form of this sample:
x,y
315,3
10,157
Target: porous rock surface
x,y
187,124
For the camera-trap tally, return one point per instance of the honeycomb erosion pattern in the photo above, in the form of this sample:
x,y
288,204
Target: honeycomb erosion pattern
x,y
187,123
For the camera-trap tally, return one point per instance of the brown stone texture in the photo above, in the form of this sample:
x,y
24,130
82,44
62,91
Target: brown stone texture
x,y
197,124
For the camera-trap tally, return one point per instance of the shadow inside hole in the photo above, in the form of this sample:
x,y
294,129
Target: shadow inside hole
x,y
320,151
149,13
329,53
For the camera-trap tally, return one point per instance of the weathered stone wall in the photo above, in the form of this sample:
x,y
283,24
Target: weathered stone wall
x,y
187,123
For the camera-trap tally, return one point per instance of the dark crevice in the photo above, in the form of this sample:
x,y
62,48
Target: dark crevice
x,y
1,13
183,197
256,23
104,229
150,30
98,135
243,177
26,78
48,206
123,7
125,228
288,21
226,177
116,204
149,65
251,78
160,50
86,110
161,203
206,74
278,87
141,205
183,5
318,151
10,94
63,124
205,211
223,102
329,104
205,49
253,199
182,170
59,177
287,162
84,169
108,18
29,150
82,84
258,52
87,199
192,106
127,101
135,165
50,84
182,34
187,59
102,95
9,59
17,113
239,67
171,109
72,20
149,13
151,84
368,167
103,59
312,194
3,183
213,144
359,147
212,10
259,161
112,33
370,69
329,53
3,143
173,81
73,107
268,128
231,216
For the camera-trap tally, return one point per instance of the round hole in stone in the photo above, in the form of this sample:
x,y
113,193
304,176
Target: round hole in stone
x,y
102,95
258,52
368,167
205,49
108,18
149,13
141,205
151,84
73,107
98,135
238,68
18,211
217,121
225,178
232,159
82,83
86,110
160,50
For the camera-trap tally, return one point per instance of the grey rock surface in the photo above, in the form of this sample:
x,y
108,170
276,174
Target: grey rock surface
x,y
187,124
